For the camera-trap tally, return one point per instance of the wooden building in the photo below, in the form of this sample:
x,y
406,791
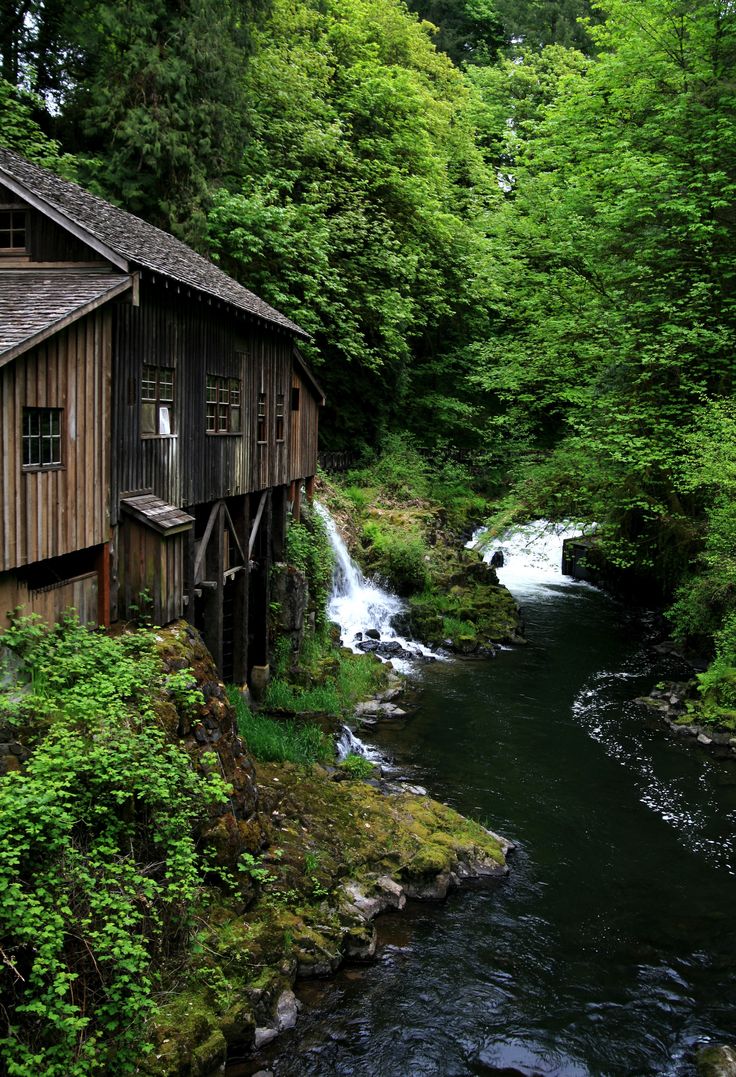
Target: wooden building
x,y
157,422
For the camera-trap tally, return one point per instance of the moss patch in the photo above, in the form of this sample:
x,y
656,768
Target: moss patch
x,y
322,836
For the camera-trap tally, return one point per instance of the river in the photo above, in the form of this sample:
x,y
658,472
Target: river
x,y
611,948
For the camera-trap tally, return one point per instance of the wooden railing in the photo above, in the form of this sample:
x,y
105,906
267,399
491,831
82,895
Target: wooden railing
x,y
337,461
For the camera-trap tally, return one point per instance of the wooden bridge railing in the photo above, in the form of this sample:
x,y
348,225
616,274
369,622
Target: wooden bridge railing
x,y
337,461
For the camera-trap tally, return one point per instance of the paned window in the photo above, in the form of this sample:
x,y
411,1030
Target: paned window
x,y
261,417
280,417
223,405
42,437
13,229
157,401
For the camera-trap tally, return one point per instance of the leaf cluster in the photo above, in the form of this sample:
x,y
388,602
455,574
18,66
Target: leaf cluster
x,y
99,867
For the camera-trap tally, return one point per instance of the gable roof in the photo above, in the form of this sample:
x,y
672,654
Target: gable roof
x,y
125,238
36,303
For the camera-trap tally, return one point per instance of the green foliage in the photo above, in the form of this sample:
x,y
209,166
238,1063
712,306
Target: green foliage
x,y
613,257
396,556
357,766
308,549
251,865
21,131
360,210
280,741
98,864
469,31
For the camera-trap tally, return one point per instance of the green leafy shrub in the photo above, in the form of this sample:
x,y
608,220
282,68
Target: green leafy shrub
x,y
357,766
308,549
396,556
98,863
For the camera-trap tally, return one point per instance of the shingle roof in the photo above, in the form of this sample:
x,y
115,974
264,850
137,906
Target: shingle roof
x,y
135,240
35,303
158,514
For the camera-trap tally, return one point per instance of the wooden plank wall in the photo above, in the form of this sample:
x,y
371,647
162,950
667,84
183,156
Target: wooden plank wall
x,y
194,467
48,241
79,594
50,512
50,602
304,429
150,562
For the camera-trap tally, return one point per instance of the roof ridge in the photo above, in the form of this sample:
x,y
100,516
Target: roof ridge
x,y
136,240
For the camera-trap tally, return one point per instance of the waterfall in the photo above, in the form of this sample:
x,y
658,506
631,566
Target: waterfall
x,y
532,556
361,607
348,744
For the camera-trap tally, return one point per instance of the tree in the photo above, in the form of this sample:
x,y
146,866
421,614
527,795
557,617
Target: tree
x,y
21,131
468,31
621,313
362,190
148,95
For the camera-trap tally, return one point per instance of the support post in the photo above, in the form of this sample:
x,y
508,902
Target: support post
x,y
103,585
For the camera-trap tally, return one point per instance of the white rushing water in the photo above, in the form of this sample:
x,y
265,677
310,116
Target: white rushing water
x,y
532,555
359,605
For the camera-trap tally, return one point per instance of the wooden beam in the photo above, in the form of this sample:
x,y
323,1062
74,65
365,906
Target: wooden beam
x,y
256,523
205,541
103,585
234,530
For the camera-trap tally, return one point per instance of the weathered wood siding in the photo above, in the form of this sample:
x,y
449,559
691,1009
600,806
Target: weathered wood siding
x,y
51,601
151,565
193,466
46,240
304,430
54,511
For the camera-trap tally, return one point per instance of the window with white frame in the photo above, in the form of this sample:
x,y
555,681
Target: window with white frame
x,y
157,401
223,405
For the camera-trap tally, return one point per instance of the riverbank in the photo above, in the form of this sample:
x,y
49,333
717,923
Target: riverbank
x,y
610,948
408,526
332,853
225,878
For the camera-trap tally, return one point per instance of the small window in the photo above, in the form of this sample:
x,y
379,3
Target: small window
x,y
261,417
157,401
280,417
13,230
42,437
295,398
223,405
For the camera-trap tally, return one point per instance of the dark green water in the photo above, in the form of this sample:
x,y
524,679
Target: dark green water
x,y
611,949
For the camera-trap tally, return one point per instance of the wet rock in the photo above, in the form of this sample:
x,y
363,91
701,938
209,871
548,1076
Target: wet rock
x,y
264,1036
375,709
286,1010
716,1061
372,633
392,891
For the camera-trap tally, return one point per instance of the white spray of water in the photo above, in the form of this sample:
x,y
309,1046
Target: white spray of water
x,y
348,744
359,605
532,556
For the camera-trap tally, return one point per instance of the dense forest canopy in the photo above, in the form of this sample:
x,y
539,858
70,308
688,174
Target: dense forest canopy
x,y
508,226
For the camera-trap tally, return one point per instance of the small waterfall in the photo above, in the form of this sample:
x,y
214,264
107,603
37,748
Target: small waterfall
x,y
360,607
348,744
